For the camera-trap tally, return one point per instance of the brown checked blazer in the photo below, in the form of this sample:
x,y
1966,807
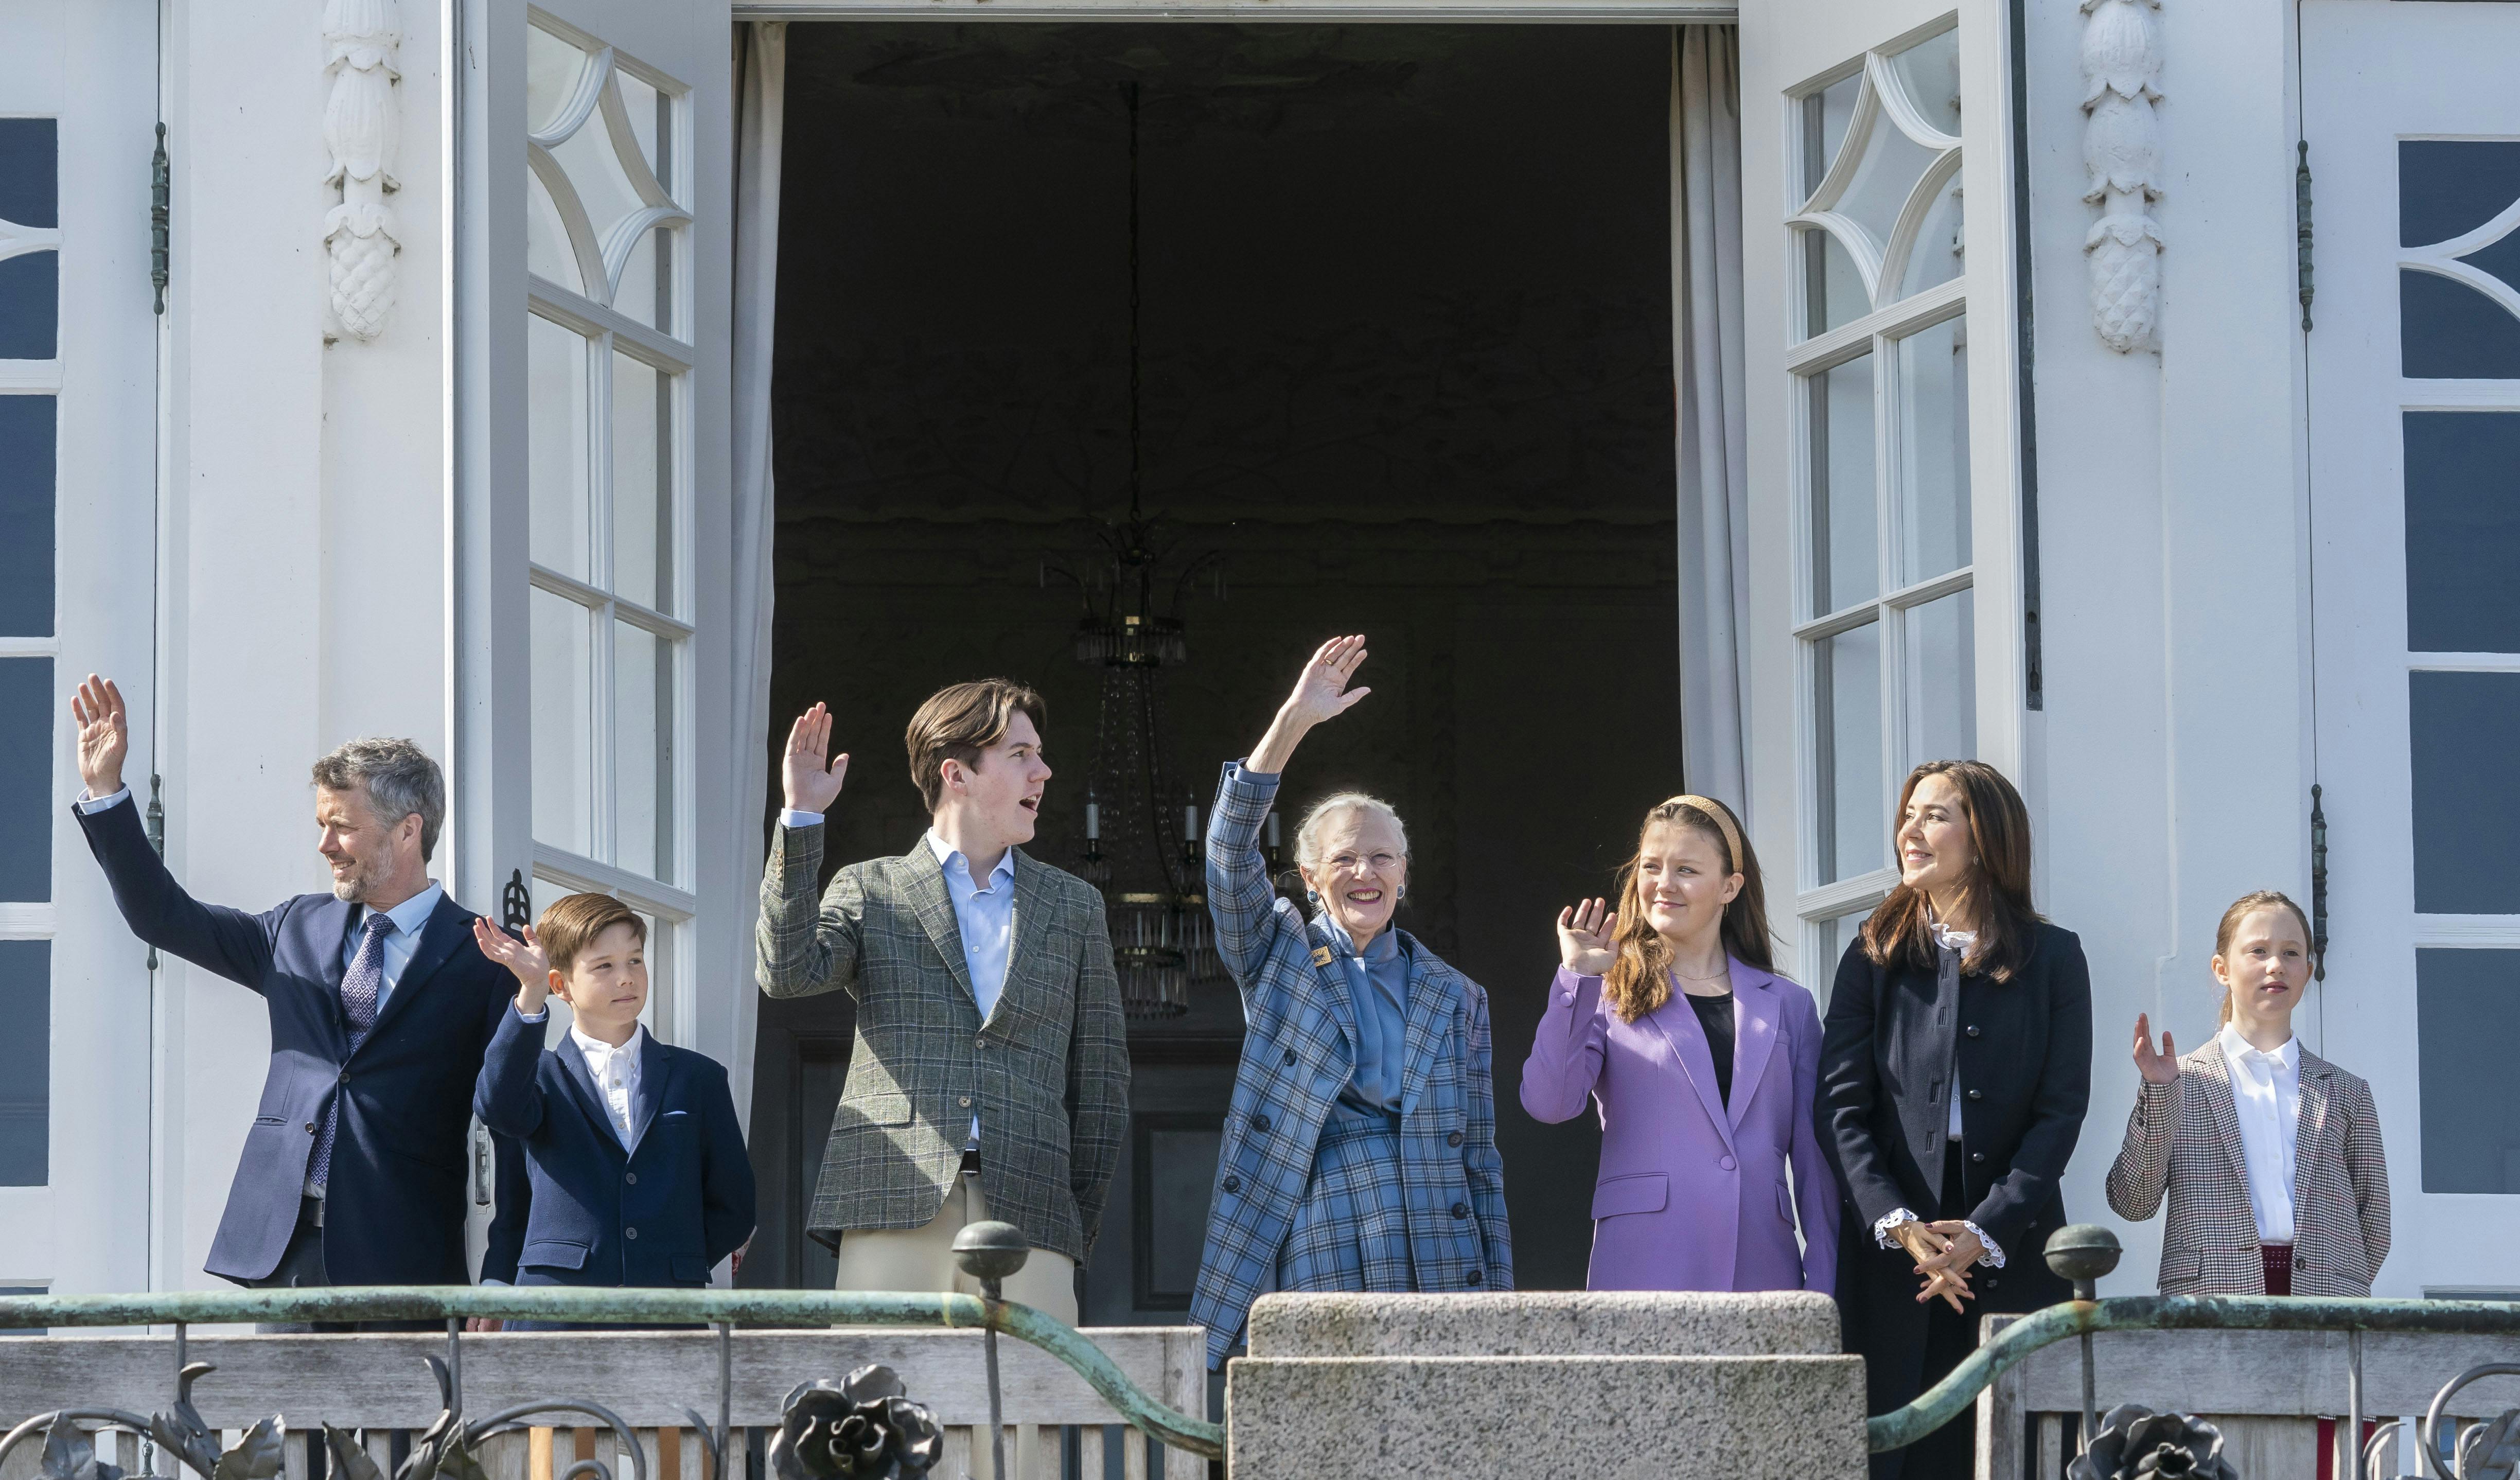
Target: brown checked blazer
x,y
1048,1073
2184,1137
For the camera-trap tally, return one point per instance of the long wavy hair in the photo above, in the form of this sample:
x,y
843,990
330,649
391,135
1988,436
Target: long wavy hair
x,y
1640,980
1998,889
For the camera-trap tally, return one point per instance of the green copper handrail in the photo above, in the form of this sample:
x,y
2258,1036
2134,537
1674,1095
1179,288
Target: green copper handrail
x,y
643,1307
1947,1399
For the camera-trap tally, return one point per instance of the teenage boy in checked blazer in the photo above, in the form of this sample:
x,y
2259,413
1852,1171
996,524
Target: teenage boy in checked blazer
x,y
638,1167
991,1074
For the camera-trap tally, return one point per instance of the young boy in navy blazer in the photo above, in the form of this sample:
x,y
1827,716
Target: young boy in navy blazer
x,y
638,1167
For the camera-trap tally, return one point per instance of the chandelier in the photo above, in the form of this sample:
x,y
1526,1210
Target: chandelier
x,y
1143,845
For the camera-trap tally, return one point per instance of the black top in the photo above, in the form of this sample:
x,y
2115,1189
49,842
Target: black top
x,y
1715,1016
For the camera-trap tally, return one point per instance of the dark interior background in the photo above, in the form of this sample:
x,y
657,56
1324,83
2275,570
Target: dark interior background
x,y
1406,363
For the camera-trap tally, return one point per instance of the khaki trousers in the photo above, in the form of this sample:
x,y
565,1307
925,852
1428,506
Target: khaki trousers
x,y
920,1261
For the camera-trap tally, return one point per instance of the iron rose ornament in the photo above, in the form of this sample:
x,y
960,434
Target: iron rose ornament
x,y
861,1428
2135,1443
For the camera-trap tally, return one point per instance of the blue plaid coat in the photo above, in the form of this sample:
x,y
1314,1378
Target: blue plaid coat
x,y
1298,1052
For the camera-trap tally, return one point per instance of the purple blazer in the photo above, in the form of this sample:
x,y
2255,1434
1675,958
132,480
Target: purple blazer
x,y
1691,1197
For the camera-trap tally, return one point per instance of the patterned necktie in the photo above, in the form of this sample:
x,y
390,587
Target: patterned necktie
x,y
360,985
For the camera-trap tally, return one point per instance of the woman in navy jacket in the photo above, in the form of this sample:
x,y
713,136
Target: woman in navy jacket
x,y
637,1163
1956,1066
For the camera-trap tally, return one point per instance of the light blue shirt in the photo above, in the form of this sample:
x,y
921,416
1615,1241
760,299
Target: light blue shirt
x,y
409,917
985,918
1377,987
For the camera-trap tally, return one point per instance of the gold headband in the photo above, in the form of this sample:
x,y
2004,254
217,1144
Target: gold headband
x,y
1722,819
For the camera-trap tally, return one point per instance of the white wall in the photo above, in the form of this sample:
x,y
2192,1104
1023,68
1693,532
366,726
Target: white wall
x,y
2172,773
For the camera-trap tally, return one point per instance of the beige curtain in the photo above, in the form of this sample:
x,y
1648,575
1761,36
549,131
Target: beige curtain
x,y
762,83
1707,372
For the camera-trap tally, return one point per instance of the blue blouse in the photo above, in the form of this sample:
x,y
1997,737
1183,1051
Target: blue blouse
x,y
1378,991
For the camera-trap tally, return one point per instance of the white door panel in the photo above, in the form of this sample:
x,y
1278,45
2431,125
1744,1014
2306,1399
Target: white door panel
x,y
77,372
2413,127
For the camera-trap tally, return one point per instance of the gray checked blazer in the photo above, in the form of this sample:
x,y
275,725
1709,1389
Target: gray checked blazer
x,y
2184,1137
1048,1073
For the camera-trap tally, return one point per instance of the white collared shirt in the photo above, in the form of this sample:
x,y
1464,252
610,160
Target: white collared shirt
x,y
2265,1095
616,1072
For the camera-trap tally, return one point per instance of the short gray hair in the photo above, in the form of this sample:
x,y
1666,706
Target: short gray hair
x,y
399,778
1308,832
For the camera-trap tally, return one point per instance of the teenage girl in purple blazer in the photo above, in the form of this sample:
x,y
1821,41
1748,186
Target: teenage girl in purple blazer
x,y
1705,1062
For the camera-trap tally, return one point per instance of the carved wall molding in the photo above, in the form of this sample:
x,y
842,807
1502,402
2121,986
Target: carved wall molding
x,y
362,128
2121,57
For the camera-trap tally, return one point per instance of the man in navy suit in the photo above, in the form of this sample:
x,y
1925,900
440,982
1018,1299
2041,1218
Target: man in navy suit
x,y
380,1009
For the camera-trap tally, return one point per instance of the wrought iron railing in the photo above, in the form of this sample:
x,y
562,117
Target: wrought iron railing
x,y
2085,1252
454,1305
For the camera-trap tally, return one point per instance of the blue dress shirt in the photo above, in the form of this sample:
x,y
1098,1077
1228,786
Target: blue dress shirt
x,y
1378,989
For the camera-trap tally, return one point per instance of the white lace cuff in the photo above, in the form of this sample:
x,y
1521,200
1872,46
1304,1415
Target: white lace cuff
x,y
1992,1259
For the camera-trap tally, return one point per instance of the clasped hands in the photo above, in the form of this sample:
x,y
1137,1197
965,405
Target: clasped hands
x,y
1945,1252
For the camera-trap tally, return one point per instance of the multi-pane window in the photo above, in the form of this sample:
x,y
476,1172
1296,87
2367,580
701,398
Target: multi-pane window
x,y
608,368
30,394
1885,628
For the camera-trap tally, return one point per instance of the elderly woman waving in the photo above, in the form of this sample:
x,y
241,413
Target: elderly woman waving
x,y
1360,1153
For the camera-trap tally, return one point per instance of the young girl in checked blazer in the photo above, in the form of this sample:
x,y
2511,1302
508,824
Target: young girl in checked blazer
x,y
2270,1154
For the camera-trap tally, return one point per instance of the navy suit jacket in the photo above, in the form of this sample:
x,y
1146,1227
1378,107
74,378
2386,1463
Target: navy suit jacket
x,y
661,1213
394,1210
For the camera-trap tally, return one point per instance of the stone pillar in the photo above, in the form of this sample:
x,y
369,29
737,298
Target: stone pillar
x,y
1486,1387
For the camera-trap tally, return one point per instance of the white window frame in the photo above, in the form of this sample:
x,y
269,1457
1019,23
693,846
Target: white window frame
x,y
673,1003
1983,293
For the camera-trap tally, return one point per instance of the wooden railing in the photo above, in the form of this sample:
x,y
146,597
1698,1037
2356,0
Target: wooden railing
x,y
656,1382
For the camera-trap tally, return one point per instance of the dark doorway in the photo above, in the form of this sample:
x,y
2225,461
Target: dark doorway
x,y
1406,363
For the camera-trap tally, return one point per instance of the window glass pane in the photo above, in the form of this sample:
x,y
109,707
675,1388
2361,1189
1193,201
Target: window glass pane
x,y
2448,330
641,482
646,110
561,671
555,445
30,185
25,1062
1846,712
1929,74
643,751
552,68
548,252
1832,288
657,1015
1844,571
1933,450
1892,166
2467,1017
2462,531
1941,679
26,532
645,293
602,187
643,470
1830,940
1826,116
1936,257
2468,791
30,315
25,779
2449,188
